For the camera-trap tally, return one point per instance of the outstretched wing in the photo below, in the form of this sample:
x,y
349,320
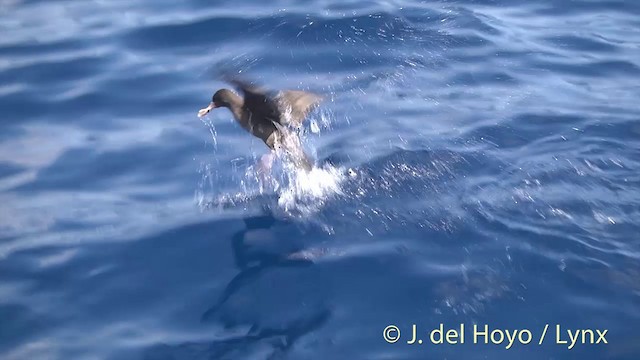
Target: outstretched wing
x,y
289,107
297,104
257,99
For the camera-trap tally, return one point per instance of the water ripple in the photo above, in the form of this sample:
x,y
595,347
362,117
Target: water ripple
x,y
474,157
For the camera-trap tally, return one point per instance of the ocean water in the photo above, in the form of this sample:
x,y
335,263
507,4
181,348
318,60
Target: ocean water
x,y
477,164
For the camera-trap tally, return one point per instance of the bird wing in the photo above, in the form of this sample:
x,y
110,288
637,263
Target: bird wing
x,y
245,86
295,103
298,104
257,99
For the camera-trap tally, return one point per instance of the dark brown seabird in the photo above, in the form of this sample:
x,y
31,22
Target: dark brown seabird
x,y
266,115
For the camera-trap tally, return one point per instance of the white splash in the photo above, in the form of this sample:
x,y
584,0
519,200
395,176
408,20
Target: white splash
x,y
307,191
299,192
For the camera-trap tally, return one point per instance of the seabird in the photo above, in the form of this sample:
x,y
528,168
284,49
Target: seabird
x,y
266,114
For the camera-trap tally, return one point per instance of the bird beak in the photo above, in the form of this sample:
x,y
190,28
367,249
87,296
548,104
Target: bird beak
x,y
206,110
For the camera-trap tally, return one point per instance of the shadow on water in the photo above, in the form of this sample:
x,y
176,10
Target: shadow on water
x,y
254,256
279,340
253,262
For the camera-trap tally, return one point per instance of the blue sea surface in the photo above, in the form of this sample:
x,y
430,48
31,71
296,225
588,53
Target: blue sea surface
x,y
477,163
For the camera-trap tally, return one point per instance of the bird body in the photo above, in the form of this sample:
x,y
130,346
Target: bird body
x,y
266,115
